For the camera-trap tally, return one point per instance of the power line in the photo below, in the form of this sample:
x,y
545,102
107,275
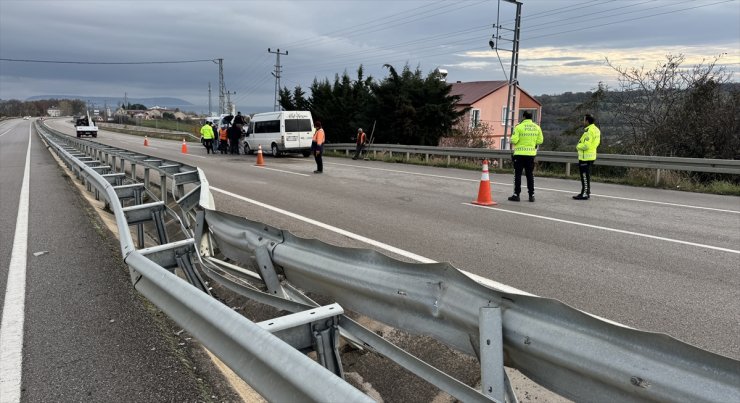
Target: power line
x,y
629,19
461,49
105,63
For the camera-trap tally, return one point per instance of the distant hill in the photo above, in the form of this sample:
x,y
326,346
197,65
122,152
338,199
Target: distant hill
x,y
166,102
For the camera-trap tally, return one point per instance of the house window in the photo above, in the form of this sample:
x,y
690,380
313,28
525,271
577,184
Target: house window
x,y
474,118
504,116
534,112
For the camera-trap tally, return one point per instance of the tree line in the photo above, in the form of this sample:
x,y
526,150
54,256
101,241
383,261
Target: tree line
x,y
67,107
670,110
405,107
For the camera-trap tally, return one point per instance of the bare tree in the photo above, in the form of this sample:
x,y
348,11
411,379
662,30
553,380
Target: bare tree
x,y
673,110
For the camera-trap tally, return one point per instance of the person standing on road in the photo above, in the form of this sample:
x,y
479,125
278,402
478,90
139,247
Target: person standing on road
x,y
206,134
361,142
234,133
223,143
214,126
525,139
586,147
317,147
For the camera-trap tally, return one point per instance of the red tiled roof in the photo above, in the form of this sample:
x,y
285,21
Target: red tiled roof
x,y
475,90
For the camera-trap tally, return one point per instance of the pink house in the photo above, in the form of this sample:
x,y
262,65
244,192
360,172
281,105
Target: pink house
x,y
486,101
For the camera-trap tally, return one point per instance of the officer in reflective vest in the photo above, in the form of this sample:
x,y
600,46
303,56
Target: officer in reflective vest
x,y
206,134
586,147
525,139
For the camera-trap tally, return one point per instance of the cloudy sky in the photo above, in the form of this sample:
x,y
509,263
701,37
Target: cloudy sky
x,y
563,43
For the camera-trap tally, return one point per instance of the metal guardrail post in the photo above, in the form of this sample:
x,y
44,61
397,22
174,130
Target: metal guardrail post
x,y
492,352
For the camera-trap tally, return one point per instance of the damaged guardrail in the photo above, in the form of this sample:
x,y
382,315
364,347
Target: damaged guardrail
x,y
274,368
566,350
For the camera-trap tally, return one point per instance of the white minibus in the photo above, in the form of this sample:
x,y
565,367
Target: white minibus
x,y
280,132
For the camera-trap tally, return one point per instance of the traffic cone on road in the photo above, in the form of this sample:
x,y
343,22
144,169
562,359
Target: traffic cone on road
x,y
484,191
260,158
146,142
184,147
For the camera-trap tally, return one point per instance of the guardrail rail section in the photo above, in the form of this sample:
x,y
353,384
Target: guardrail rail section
x,y
563,349
627,161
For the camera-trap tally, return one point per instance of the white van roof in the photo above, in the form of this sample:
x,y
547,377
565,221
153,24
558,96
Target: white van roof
x,y
285,114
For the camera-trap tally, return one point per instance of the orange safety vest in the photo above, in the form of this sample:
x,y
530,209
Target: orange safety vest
x,y
361,138
318,137
222,134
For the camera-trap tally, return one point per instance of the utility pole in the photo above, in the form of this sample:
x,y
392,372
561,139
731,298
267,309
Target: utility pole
x,y
229,105
510,114
221,86
209,99
276,74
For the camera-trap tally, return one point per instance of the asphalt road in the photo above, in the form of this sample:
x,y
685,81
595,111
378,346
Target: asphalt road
x,y
87,334
657,260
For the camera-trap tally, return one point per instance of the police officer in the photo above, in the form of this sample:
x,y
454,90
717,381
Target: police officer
x,y
525,139
586,147
206,134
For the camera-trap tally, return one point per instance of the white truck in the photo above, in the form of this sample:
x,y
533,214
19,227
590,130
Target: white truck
x,y
85,126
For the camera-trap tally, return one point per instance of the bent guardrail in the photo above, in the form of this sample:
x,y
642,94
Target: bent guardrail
x,y
563,349
238,342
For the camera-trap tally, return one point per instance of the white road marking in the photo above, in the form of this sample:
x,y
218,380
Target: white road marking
x,y
607,229
6,132
279,170
640,200
11,326
380,245
541,188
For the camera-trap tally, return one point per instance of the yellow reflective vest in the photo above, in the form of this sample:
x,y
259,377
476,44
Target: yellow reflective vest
x,y
207,132
526,137
588,143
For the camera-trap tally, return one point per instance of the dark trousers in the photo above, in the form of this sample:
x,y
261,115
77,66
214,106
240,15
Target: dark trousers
x,y
526,163
209,145
234,146
319,161
584,167
358,151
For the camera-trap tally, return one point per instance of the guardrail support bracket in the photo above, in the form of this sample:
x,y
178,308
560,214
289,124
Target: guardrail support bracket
x,y
313,330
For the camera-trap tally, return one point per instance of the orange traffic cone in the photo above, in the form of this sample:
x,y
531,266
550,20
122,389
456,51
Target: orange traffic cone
x,y
484,191
184,147
146,142
260,158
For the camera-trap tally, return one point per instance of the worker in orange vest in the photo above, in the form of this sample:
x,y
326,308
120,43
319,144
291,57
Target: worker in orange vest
x,y
361,142
317,147
223,143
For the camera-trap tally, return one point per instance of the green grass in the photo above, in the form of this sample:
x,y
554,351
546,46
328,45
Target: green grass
x,y
170,125
675,180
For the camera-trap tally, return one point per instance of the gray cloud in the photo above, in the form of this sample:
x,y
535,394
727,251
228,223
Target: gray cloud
x,y
323,38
